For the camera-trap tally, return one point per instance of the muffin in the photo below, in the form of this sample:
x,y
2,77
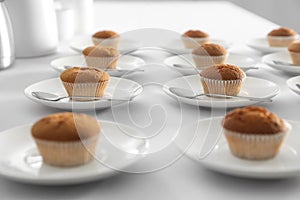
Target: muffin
x,y
294,50
101,57
222,79
84,81
208,55
254,133
106,38
282,37
66,139
194,38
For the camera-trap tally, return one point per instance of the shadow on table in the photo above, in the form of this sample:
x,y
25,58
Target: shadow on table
x,y
275,187
79,191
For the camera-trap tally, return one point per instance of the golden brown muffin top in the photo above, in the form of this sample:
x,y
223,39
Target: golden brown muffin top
x,y
105,34
294,47
253,120
84,75
210,50
195,34
282,32
98,51
223,72
65,127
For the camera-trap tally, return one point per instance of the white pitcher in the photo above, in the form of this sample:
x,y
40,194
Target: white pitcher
x,y
34,26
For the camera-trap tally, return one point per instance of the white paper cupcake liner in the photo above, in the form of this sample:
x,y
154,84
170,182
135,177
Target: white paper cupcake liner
x,y
295,58
255,146
85,89
191,43
226,87
207,61
102,62
281,41
65,154
109,42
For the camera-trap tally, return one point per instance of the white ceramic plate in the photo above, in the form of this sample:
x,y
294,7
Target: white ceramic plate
x,y
243,62
117,88
20,159
176,46
125,45
126,63
292,84
281,56
253,87
262,45
204,142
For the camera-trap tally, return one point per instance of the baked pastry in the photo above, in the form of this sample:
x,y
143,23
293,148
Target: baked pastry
x,y
294,50
207,55
254,133
85,81
222,79
194,38
66,139
106,38
282,37
101,57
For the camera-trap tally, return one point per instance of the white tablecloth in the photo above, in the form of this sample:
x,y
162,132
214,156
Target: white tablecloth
x,y
182,179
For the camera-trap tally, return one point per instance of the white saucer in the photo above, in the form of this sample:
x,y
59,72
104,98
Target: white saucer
x,y
292,84
176,46
204,142
20,159
186,59
262,45
126,62
125,45
253,87
281,56
117,88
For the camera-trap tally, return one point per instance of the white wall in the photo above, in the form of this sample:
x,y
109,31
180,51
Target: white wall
x,y
283,12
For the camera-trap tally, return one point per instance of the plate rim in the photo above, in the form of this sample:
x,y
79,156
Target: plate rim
x,y
282,68
288,82
85,178
53,65
42,102
190,69
86,39
266,49
229,171
227,43
165,88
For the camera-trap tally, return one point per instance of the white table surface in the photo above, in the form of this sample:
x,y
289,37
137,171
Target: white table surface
x,y
183,178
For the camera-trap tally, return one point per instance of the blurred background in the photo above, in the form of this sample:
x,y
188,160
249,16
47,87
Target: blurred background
x,y
57,21
282,12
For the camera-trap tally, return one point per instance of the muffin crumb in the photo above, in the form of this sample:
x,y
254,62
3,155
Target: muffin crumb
x,y
210,50
195,34
282,32
105,34
101,51
223,72
294,47
253,119
65,127
84,75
